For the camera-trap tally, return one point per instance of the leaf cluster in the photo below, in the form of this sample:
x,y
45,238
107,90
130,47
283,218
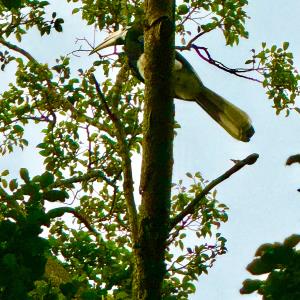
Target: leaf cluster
x,y
26,256
23,253
229,16
195,243
20,16
121,12
281,263
281,79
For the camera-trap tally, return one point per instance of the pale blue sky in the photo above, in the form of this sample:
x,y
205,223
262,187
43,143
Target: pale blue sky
x,y
264,204
263,201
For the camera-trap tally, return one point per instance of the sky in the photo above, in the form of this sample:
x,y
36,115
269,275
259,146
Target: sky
x,y
263,199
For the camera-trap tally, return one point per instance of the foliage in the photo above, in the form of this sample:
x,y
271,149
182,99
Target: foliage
x,y
281,263
121,12
229,16
25,15
25,256
10,4
187,260
88,140
280,77
274,65
23,252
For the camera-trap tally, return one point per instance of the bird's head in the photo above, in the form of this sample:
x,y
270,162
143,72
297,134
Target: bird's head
x,y
115,38
122,37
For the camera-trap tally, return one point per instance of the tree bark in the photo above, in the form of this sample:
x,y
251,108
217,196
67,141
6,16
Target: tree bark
x,y
157,162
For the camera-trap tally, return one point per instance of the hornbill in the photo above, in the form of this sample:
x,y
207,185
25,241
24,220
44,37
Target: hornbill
x,y
188,86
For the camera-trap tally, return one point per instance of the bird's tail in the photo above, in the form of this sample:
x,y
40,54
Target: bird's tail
x,y
235,121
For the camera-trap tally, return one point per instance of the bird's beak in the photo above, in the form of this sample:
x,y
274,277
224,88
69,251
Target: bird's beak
x,y
115,38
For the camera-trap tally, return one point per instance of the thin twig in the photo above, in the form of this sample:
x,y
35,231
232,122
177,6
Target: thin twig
x,y
221,66
112,116
188,16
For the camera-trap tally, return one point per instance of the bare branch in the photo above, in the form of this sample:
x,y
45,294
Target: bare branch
x,y
207,57
17,49
293,159
192,207
188,16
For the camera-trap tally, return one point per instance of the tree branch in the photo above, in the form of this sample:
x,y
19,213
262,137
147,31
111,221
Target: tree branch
x,y
124,152
192,207
111,115
59,211
207,57
17,49
65,102
89,175
293,159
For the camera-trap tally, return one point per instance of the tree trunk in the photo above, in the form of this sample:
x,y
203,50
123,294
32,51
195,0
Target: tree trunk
x,y
157,162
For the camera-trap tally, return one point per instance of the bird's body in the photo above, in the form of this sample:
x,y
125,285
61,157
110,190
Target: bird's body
x,y
187,85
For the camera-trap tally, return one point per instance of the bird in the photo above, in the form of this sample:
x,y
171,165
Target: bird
x,y
187,84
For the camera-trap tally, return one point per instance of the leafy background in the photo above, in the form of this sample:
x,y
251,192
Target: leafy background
x,y
263,200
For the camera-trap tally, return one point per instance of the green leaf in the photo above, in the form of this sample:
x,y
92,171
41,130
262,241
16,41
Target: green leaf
x,y
273,48
263,248
24,175
46,179
75,10
188,174
30,189
182,9
97,63
10,4
180,259
249,61
18,37
182,235
18,128
285,45
292,240
56,195
44,3
59,212
42,145
250,286
4,183
13,184
44,153
297,109
259,267
4,173
58,27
